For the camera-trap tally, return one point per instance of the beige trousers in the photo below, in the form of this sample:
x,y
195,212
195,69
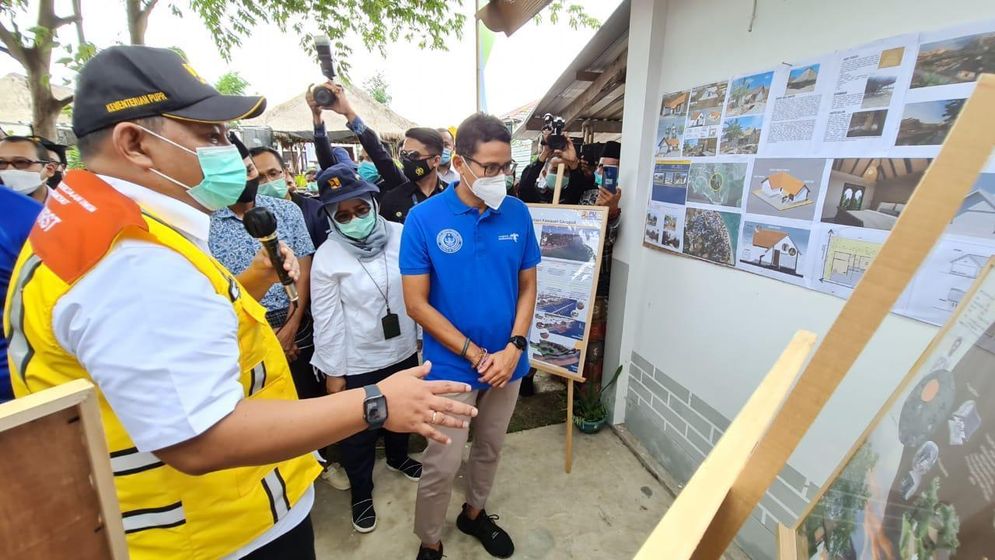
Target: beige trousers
x,y
441,462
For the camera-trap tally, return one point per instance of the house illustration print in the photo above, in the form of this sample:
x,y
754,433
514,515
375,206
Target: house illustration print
x,y
967,265
786,187
772,249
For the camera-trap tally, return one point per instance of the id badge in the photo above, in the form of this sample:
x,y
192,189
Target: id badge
x,y
391,326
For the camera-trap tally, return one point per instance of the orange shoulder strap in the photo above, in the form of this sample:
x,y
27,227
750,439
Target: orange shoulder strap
x,y
80,222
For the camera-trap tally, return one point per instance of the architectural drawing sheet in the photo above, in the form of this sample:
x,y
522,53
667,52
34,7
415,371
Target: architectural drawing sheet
x,y
798,173
799,95
868,90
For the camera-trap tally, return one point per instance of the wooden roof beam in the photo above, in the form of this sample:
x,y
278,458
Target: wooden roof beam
x,y
580,103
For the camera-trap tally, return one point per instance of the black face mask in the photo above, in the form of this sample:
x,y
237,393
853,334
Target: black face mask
x,y
54,180
249,194
416,169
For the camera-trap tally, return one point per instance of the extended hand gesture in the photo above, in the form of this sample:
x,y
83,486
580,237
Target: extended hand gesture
x,y
414,405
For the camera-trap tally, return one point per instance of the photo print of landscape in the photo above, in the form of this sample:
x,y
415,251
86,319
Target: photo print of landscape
x,y
820,157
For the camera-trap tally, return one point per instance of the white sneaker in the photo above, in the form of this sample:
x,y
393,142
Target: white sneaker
x,y
336,477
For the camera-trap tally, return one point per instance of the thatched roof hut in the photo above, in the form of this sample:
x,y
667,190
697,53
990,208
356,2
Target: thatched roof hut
x,y
15,104
291,120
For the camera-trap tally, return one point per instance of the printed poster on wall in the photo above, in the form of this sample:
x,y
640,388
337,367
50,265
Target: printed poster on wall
x,y
798,96
920,484
570,241
844,140
868,90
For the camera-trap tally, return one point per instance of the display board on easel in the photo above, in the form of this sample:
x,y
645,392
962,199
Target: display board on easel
x,y
571,241
918,482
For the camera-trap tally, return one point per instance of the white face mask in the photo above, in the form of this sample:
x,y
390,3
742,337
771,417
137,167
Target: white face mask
x,y
22,180
491,190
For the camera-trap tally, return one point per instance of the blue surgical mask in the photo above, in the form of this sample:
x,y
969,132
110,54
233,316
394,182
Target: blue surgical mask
x,y
312,187
358,228
223,170
277,188
447,156
599,178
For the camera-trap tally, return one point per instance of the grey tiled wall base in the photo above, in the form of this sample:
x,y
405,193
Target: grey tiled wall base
x,y
679,429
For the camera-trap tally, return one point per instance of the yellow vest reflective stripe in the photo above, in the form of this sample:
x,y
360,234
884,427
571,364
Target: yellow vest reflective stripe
x,y
167,514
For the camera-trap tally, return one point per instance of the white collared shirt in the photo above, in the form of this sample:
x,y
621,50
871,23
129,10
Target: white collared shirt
x,y
158,340
348,309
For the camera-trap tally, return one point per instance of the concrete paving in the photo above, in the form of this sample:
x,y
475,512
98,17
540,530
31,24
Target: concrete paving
x,y
604,509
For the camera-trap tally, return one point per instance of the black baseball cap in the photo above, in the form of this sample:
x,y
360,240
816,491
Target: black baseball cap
x,y
131,82
341,182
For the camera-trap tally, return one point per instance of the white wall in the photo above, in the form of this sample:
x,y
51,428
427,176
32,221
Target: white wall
x,y
717,330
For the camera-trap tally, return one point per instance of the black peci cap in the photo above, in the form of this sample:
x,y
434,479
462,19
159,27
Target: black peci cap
x,y
132,82
612,150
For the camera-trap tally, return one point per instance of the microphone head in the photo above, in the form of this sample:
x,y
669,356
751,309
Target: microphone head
x,y
259,222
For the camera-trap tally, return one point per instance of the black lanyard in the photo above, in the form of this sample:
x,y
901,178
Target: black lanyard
x,y
386,273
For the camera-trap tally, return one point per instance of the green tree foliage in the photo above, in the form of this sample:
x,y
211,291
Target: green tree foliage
x,y
835,514
428,24
378,88
231,83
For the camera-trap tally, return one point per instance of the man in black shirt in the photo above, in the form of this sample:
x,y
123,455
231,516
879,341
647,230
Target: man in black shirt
x,y
420,157
537,186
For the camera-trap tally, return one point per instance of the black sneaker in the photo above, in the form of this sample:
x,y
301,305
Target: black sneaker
x,y
364,517
495,540
429,554
409,468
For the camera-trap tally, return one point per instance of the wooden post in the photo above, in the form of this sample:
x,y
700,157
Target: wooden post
x,y
560,170
678,533
787,545
568,458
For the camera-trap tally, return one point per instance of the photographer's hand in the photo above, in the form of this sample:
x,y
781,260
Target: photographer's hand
x,y
341,105
570,155
313,105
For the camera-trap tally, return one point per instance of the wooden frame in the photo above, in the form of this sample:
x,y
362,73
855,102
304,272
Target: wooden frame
x,y
679,532
566,374
900,389
59,471
938,196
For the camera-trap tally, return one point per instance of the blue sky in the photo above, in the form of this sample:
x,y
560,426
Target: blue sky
x,y
801,69
754,81
752,121
927,112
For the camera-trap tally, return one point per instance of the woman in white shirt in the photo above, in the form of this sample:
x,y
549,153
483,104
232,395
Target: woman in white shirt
x,y
362,332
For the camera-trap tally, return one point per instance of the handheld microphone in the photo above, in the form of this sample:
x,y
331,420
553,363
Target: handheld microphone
x,y
261,224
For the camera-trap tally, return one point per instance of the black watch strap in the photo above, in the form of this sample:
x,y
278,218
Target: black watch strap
x,y
374,407
520,342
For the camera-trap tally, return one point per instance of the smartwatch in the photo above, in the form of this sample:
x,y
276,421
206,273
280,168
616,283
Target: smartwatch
x,y
520,342
374,408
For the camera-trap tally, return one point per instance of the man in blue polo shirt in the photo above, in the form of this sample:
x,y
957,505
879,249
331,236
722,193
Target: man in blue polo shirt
x,y
19,213
468,259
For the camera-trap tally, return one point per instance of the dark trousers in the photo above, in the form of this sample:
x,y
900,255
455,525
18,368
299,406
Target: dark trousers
x,y
359,451
295,544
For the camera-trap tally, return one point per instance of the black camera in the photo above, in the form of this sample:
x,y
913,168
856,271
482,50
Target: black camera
x,y
324,96
554,124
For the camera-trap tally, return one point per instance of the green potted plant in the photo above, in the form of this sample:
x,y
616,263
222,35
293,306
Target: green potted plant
x,y
590,414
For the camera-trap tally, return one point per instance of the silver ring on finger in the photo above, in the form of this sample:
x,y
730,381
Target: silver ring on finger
x,y
434,413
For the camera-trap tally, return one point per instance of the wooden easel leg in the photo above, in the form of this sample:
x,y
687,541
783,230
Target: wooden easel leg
x,y
568,458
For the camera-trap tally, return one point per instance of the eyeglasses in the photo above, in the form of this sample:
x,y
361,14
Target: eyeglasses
x,y
21,163
493,169
414,155
345,217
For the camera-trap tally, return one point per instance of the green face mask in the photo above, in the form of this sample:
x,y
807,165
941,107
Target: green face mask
x,y
358,228
551,181
277,188
223,170
312,187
